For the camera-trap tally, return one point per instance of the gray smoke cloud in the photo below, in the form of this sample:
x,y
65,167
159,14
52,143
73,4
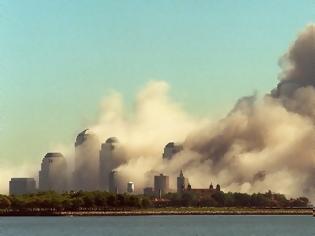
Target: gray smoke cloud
x,y
269,143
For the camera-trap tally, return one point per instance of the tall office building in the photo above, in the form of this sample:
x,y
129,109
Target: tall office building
x,y
182,182
108,161
53,173
20,186
161,184
171,149
86,166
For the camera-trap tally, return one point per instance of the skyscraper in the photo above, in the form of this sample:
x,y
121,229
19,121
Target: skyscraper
x,y
86,170
116,183
108,159
171,149
53,173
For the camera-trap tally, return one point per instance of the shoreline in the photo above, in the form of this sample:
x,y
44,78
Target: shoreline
x,y
163,212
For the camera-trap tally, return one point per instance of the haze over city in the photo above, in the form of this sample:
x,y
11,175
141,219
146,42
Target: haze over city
x,y
241,109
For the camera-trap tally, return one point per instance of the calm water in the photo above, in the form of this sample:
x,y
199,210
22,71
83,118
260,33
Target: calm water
x,y
159,225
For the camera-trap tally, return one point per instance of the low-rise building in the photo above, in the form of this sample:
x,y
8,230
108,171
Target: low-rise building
x,y
203,192
20,186
148,191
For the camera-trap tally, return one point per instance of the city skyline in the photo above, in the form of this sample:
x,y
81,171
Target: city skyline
x,y
196,87
86,46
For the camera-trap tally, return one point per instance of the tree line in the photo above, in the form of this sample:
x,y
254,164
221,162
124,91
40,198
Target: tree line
x,y
100,201
72,201
221,199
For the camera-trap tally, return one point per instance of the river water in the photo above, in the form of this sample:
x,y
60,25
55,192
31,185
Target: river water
x,y
158,226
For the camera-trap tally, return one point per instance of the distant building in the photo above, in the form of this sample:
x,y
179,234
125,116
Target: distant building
x,y
182,182
53,173
20,186
130,187
86,163
170,150
113,188
161,184
203,192
148,191
107,161
116,182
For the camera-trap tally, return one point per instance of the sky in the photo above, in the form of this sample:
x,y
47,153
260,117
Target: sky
x,y
58,59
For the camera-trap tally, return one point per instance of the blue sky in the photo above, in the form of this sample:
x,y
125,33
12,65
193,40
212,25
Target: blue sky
x,y
60,58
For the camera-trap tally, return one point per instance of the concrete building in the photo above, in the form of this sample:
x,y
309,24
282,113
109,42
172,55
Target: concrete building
x,y
161,184
86,163
182,182
20,186
130,187
148,191
53,173
116,184
203,193
171,149
107,160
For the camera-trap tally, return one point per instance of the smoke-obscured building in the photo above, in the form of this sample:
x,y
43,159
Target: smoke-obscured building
x,y
107,161
20,186
116,183
148,191
86,166
53,173
182,182
171,149
161,184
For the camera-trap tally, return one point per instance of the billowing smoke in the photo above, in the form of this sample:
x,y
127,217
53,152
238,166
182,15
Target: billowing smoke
x,y
143,131
262,144
268,143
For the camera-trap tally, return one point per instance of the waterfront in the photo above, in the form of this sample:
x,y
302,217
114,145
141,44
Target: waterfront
x,y
158,225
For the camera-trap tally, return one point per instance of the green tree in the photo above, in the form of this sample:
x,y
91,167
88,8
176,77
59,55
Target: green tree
x,y
145,203
219,197
5,202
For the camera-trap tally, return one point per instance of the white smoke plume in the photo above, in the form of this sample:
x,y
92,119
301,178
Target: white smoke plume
x,y
143,132
261,144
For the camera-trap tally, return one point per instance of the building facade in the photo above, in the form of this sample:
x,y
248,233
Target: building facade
x,y
148,191
161,184
116,183
53,173
182,182
86,166
20,186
